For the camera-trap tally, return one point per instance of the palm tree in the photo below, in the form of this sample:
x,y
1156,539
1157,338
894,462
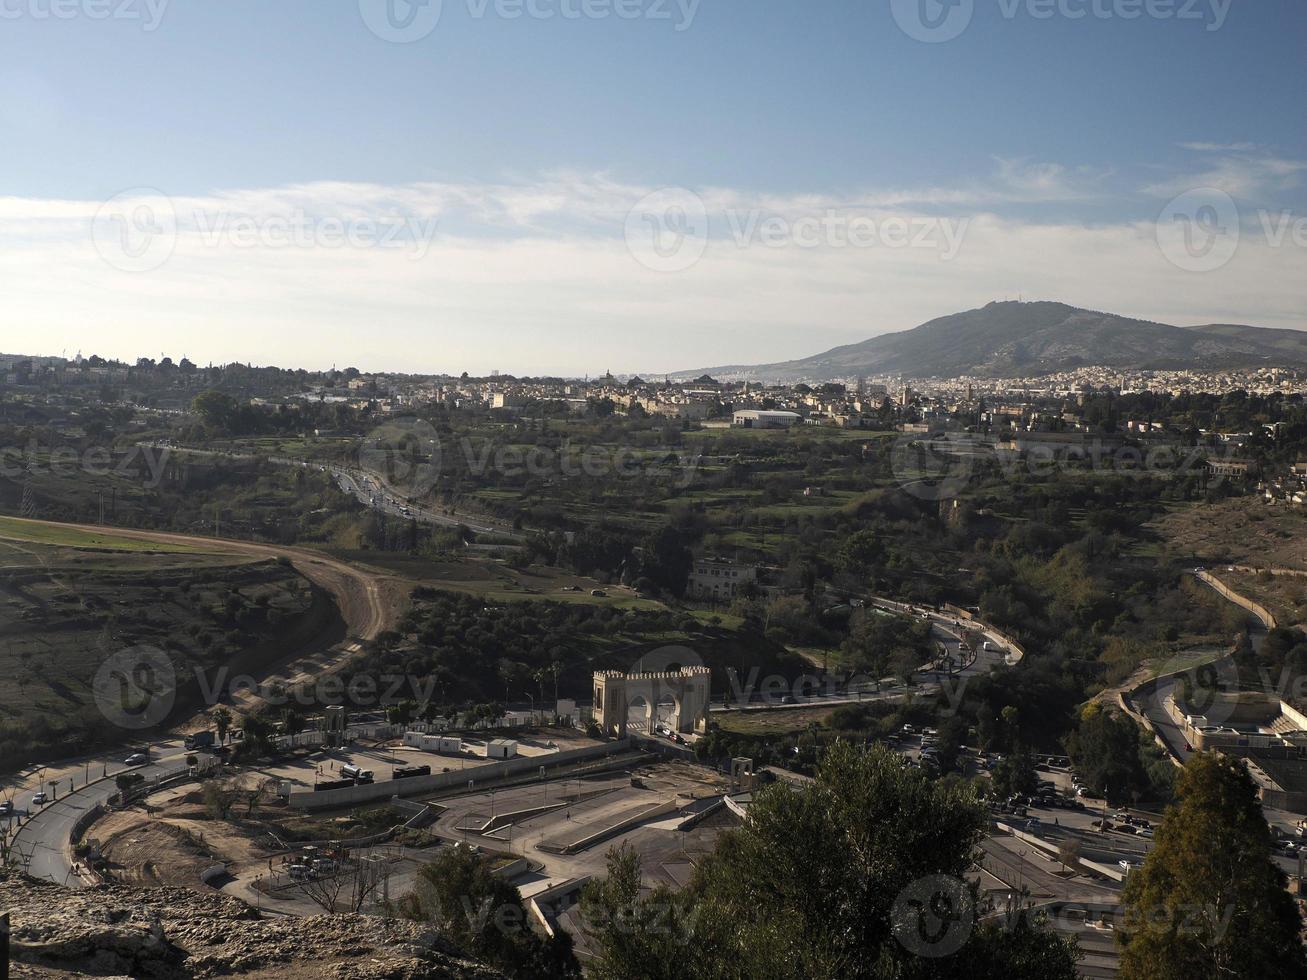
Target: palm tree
x,y
222,721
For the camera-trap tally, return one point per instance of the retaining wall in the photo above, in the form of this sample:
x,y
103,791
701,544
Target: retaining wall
x,y
417,785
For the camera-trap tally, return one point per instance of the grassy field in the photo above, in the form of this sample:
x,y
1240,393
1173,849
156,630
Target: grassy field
x,y
67,608
1241,530
778,721
37,532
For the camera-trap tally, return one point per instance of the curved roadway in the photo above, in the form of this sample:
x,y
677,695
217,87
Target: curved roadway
x,y
361,595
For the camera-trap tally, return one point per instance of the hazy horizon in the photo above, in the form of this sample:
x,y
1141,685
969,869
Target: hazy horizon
x,y
460,187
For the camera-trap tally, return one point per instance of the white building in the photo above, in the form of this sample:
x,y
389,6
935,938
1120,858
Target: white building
x,y
719,580
750,418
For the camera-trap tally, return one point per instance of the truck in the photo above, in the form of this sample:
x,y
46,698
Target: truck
x,y
199,740
405,772
356,773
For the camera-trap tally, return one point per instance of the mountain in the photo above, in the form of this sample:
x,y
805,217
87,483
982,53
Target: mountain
x,y
1012,339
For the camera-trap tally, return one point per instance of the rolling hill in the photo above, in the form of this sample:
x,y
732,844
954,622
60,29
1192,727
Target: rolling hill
x,y
1011,339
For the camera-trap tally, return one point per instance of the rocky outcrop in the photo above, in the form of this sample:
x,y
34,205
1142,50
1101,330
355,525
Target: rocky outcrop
x,y
169,933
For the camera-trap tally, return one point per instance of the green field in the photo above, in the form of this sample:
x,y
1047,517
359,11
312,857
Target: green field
x,y
37,532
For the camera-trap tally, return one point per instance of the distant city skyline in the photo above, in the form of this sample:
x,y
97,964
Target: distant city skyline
x,y
678,184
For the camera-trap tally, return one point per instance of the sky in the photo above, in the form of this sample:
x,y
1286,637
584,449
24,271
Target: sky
x,y
574,186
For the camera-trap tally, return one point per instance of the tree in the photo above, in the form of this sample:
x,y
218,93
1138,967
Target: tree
x,y
222,721
1015,773
348,886
1209,901
952,736
858,875
219,797
1068,853
483,914
1105,750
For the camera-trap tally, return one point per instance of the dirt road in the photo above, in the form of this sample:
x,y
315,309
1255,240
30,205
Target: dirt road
x,y
370,601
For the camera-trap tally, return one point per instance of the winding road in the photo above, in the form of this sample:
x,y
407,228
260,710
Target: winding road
x,y
369,602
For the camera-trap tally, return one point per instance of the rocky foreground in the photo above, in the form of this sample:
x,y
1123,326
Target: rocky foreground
x,y
115,931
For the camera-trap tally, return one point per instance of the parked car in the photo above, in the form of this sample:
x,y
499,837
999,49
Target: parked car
x,y
6,807
137,759
38,799
599,593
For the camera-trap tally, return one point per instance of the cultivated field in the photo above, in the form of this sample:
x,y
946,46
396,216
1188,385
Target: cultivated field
x,y
71,599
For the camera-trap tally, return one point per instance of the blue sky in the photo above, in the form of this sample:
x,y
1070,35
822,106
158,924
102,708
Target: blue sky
x,y
1056,140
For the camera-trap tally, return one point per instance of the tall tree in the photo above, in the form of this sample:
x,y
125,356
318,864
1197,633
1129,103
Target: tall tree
x,y
860,875
1209,901
483,914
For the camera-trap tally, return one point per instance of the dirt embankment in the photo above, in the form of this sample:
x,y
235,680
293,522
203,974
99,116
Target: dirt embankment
x,y
369,600
172,933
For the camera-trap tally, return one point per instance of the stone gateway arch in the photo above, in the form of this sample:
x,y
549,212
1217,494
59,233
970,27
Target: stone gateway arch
x,y
689,690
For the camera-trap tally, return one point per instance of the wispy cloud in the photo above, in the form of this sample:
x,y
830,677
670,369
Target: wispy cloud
x,y
534,274
1245,171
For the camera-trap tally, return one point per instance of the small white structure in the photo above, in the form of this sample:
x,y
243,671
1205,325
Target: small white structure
x,y
415,740
501,748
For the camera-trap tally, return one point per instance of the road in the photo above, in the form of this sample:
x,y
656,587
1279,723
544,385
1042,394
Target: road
x,y
368,487
1153,705
44,837
369,602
